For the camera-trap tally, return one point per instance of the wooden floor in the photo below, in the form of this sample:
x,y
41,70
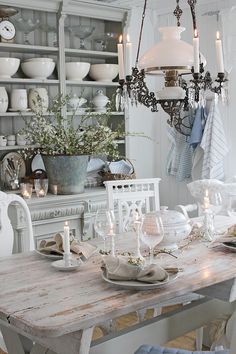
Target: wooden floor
x,y
185,342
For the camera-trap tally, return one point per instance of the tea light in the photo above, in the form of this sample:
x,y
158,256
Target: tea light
x,y
41,187
54,188
41,193
26,190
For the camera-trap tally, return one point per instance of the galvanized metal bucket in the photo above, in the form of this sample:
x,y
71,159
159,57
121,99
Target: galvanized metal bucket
x,y
66,174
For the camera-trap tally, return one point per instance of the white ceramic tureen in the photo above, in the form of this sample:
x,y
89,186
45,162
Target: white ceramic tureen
x,y
176,228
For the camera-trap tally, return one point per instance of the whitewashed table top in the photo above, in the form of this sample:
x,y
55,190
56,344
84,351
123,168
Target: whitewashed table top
x,y
42,301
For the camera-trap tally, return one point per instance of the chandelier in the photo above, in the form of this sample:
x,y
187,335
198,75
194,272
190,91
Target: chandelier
x,y
175,59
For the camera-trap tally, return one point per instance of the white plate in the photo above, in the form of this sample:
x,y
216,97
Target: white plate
x,y
232,248
74,263
137,285
49,256
15,157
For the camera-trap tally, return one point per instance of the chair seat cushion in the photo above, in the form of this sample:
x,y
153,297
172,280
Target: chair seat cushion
x,y
149,349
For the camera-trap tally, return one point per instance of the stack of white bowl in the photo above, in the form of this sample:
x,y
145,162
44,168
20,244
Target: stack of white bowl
x,y
38,68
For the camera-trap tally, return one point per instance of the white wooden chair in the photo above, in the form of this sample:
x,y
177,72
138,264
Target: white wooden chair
x,y
6,232
127,196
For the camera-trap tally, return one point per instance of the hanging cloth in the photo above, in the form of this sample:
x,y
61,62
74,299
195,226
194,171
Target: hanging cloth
x,y
214,144
198,127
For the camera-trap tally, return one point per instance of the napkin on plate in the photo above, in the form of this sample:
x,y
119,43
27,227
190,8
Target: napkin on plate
x,y
56,246
119,268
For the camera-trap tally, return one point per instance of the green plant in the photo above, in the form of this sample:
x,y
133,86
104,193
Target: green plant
x,y
61,134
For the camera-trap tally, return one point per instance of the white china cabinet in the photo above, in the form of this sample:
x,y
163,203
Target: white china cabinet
x,y
57,38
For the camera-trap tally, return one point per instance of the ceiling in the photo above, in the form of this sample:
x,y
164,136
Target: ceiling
x,y
154,4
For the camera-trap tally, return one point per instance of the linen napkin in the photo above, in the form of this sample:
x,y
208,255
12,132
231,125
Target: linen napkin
x,y
119,268
56,246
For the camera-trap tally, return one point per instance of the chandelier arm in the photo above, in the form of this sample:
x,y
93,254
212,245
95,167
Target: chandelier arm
x,y
192,4
141,33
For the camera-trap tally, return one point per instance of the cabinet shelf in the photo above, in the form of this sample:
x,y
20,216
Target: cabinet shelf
x,y
16,80
25,48
30,114
93,83
17,147
90,53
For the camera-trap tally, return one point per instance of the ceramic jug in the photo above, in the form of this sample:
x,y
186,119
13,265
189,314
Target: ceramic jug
x,y
100,101
3,100
76,102
19,101
38,99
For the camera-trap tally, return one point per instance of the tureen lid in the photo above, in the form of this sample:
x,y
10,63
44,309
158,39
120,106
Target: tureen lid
x,y
171,218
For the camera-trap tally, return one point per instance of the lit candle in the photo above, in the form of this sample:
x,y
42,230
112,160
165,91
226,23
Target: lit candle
x,y
219,54
66,239
128,57
25,195
206,200
121,58
196,51
41,193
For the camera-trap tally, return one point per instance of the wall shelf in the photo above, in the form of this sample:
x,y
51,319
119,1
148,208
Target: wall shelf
x,y
16,80
93,83
90,53
25,48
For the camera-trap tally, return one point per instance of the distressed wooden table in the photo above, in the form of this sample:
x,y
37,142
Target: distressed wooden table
x,y
44,311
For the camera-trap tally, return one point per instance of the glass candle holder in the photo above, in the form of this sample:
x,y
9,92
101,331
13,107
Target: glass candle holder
x,y
41,187
26,190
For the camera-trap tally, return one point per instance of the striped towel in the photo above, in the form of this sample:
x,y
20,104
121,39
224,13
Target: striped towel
x,y
214,145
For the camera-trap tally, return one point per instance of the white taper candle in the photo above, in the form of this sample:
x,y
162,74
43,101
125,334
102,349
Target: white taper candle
x,y
219,54
121,58
196,51
66,238
128,57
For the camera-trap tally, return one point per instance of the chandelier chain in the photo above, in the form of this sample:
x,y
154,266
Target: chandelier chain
x,y
141,32
178,13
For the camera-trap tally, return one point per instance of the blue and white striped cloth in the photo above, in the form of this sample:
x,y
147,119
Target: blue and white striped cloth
x,y
214,145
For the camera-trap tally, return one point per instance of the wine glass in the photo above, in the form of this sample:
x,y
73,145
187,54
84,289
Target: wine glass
x,y
152,232
82,32
105,226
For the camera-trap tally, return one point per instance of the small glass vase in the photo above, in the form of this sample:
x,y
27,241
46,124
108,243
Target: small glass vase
x,y
41,187
26,190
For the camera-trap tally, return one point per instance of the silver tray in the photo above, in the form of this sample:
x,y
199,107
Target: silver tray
x,y
137,285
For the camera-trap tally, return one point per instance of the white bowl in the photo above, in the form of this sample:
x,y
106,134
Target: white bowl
x,y
8,67
77,70
38,69
38,59
103,72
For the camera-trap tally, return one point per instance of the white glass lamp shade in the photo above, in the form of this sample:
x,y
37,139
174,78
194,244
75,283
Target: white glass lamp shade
x,y
171,53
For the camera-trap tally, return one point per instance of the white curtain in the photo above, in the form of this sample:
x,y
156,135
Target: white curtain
x,y
229,37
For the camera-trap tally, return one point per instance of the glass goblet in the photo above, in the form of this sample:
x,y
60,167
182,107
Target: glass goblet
x,y
104,225
26,26
152,232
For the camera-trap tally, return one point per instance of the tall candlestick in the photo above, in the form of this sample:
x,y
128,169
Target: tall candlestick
x,y
121,59
66,239
196,51
128,57
219,54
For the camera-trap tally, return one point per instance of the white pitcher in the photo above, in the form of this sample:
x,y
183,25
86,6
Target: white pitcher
x,y
3,100
19,101
38,99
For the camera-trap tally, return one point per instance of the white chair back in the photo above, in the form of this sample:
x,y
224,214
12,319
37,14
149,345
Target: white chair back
x,y
128,196
6,231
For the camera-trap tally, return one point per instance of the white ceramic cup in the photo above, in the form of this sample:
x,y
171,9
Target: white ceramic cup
x,y
19,101
3,140
3,100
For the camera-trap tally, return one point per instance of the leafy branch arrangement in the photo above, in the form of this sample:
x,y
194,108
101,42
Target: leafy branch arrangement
x,y
59,134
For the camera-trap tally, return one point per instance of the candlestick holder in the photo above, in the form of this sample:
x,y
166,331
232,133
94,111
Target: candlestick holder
x,y
67,259
207,229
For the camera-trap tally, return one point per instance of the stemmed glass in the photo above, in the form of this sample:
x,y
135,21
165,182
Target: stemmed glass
x,y
152,232
27,26
105,226
82,32
211,204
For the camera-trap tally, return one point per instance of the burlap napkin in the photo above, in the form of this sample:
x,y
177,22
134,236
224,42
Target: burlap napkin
x,y
228,236
56,246
119,268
